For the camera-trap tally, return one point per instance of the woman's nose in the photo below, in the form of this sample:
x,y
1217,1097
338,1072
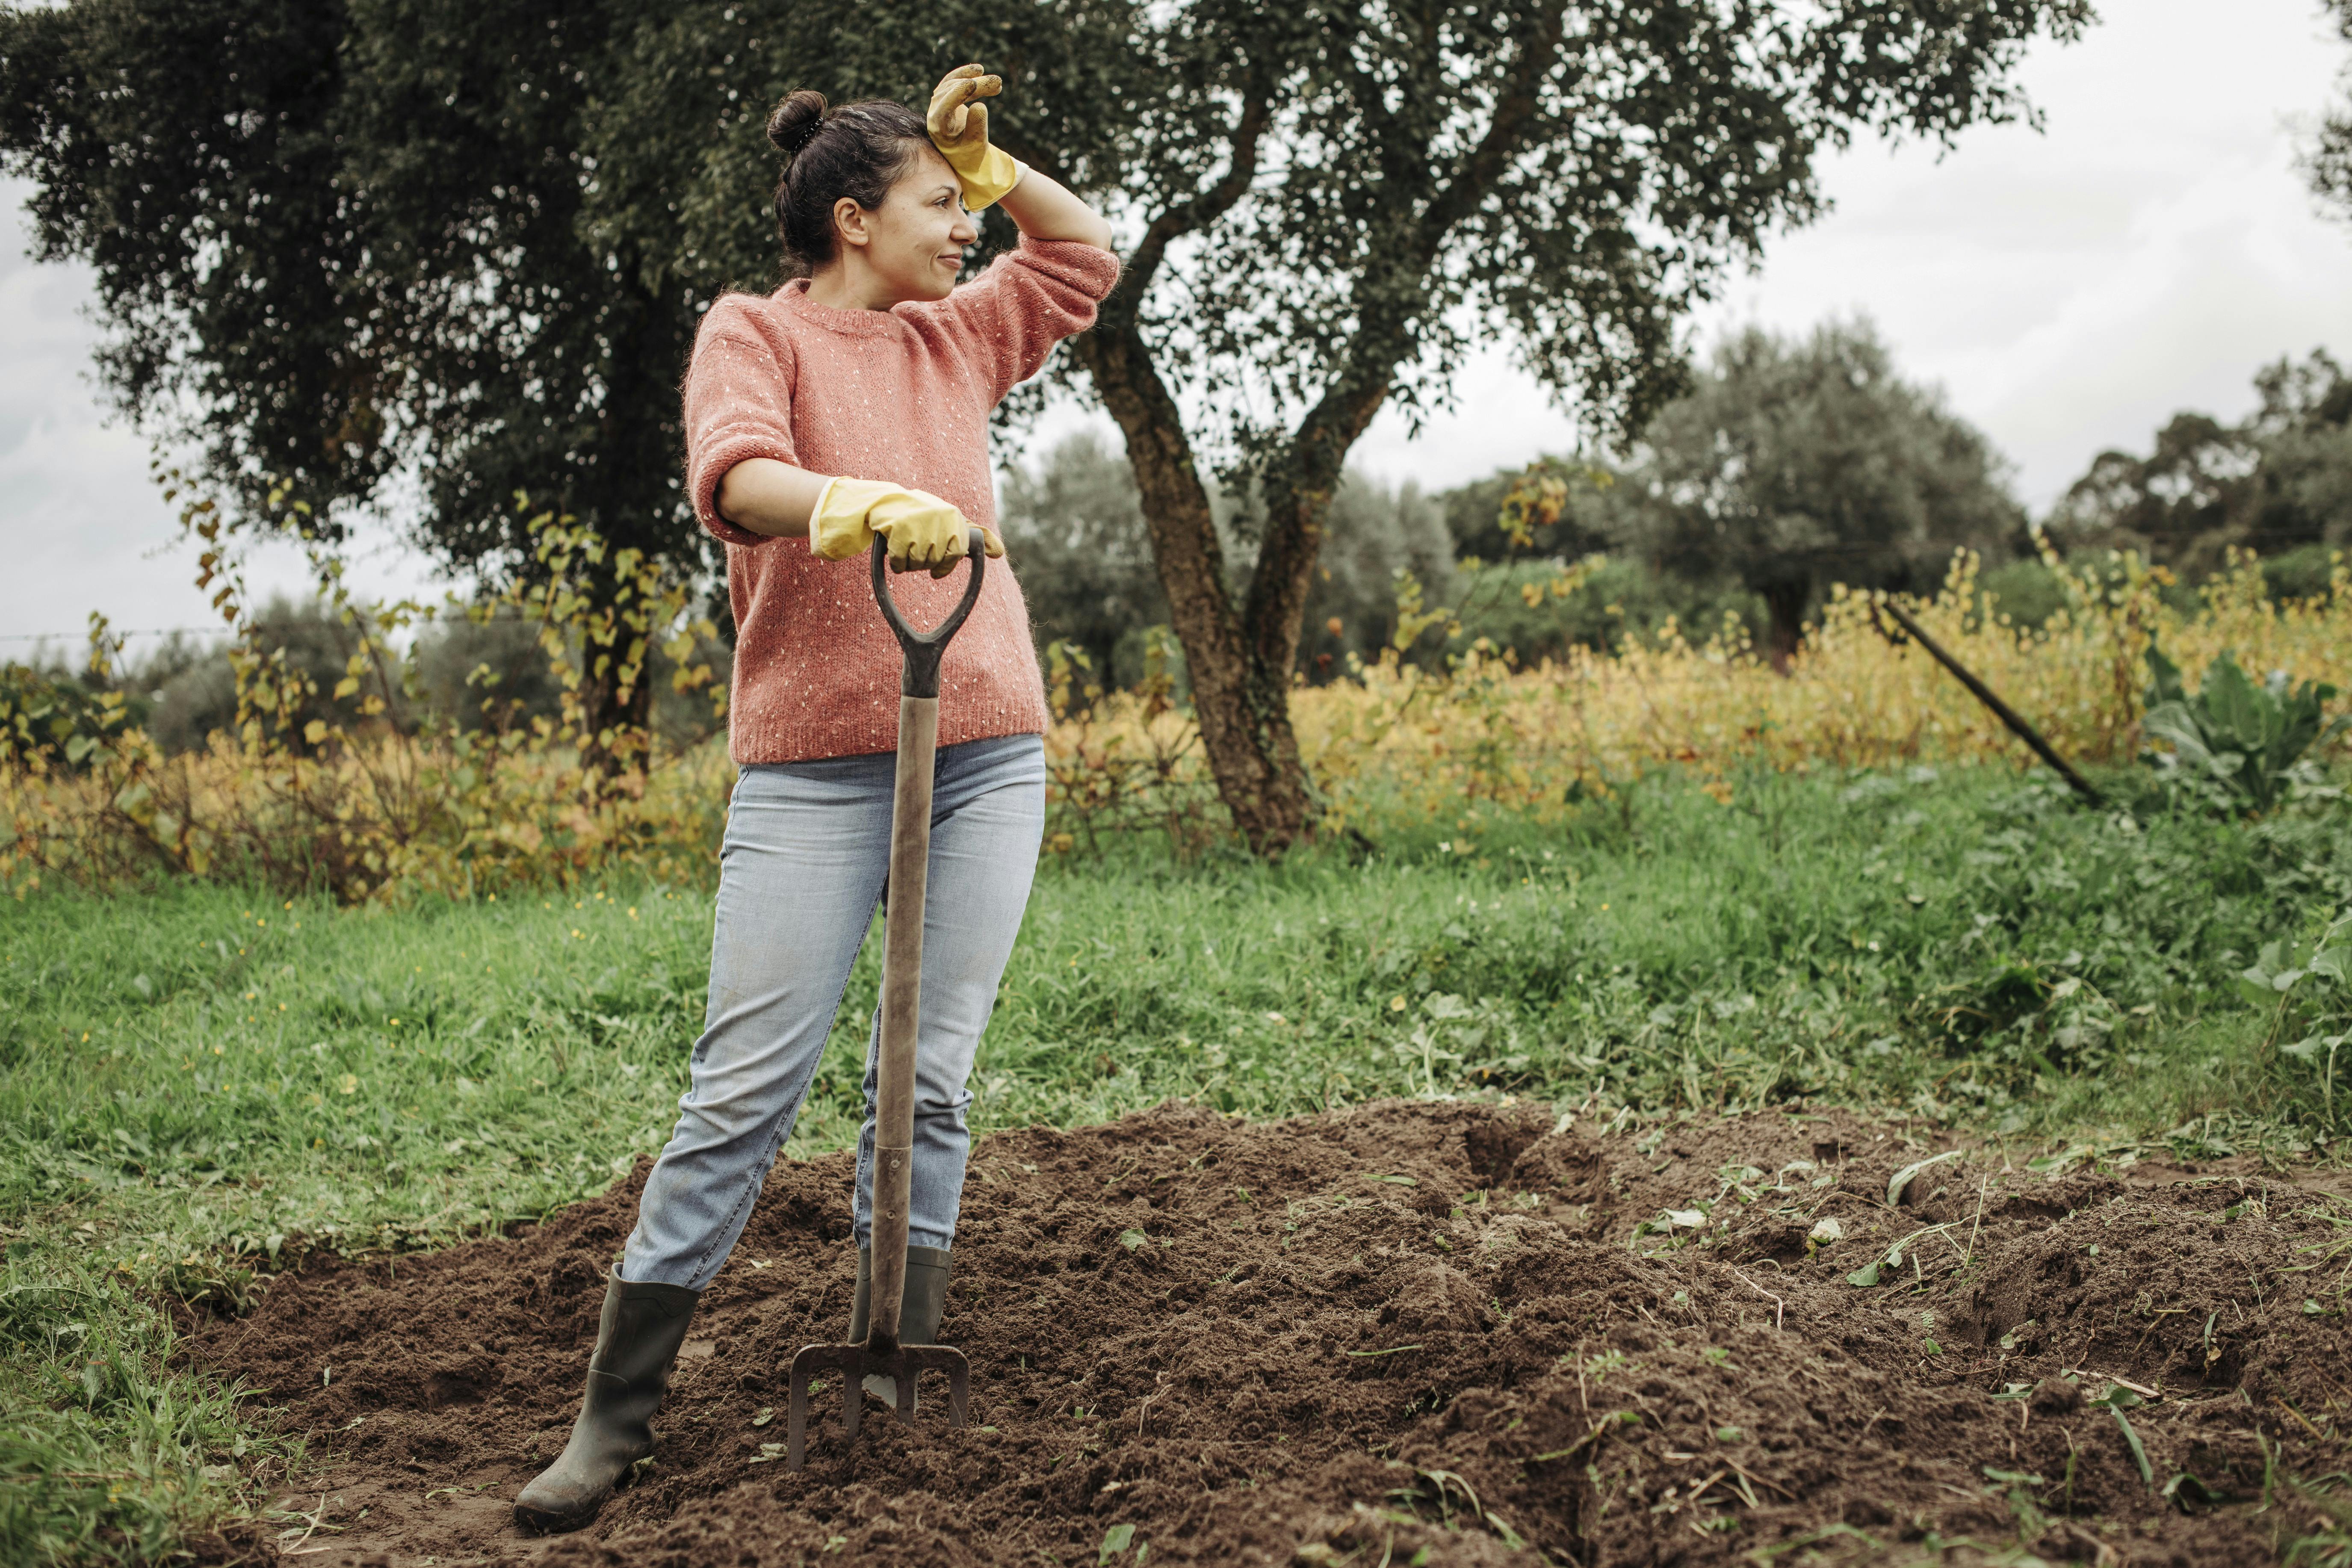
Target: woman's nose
x,y
966,229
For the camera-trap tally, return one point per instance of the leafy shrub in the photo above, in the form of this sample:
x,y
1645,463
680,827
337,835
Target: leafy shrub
x,y
2028,592
362,789
2244,740
2305,984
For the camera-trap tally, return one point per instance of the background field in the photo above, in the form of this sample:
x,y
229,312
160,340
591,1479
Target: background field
x,y
196,1082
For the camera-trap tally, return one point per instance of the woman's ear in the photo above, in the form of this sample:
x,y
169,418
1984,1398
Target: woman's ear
x,y
850,221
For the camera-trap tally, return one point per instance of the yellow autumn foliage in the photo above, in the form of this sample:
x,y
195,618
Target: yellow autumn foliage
x,y
382,815
1402,740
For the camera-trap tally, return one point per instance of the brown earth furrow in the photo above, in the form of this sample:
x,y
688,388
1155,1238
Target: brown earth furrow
x,y
1407,1326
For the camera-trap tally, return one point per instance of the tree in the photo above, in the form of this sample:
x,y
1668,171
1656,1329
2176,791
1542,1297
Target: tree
x,y
342,246
1792,465
2178,506
2279,481
2301,493
1335,201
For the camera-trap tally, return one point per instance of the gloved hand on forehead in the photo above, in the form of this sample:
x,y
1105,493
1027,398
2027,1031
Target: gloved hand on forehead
x,y
918,529
958,122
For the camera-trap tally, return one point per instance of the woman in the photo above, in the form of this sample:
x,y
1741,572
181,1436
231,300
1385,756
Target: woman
x,y
851,404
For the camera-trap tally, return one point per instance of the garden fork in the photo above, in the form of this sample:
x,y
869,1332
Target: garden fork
x,y
902,980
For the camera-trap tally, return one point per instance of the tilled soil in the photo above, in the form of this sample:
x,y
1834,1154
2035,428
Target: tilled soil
x,y
1442,1333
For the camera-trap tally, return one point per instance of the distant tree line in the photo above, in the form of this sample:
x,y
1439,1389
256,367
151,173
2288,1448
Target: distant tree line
x,y
1790,465
488,675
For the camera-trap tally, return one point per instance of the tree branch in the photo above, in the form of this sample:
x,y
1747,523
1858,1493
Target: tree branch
x,y
1207,207
1300,494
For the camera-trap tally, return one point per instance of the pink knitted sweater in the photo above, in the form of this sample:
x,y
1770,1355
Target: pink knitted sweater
x,y
903,396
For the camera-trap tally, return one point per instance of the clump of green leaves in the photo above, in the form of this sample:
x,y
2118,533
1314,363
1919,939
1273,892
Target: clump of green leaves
x,y
2307,982
2243,742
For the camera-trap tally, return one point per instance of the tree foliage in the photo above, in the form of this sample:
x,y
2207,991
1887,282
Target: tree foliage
x,y
2328,162
2279,480
342,251
340,241
1793,464
1075,524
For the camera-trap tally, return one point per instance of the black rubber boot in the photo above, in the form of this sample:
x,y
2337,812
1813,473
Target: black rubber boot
x,y
637,1341
920,1309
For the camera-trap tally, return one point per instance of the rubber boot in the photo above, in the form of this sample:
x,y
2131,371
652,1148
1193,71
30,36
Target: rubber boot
x,y
637,1341
920,1309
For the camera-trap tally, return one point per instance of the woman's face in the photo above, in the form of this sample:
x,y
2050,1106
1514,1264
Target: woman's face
x,y
914,239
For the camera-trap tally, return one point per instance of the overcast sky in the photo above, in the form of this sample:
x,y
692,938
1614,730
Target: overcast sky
x,y
2068,290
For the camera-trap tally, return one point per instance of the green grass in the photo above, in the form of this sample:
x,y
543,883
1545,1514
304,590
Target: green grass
x,y
193,1083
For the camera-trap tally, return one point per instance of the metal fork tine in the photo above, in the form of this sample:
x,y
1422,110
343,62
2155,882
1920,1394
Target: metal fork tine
x,y
853,1363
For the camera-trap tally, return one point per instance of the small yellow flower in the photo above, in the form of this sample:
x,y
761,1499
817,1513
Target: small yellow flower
x,y
1396,1003
350,1084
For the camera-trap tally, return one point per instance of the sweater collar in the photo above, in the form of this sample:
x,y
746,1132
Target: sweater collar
x,y
793,297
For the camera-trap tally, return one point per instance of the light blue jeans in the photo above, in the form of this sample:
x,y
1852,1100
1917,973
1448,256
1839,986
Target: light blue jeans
x,y
800,871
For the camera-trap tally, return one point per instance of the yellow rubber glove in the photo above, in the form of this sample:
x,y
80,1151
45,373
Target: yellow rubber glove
x,y
918,528
959,126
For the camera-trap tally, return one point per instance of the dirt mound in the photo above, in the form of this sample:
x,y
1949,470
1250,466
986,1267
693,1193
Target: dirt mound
x,y
1356,1336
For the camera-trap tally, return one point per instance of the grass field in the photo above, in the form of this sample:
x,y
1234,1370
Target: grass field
x,y
193,1083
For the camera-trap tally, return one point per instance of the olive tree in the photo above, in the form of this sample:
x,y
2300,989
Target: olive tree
x,y
1330,203
1792,465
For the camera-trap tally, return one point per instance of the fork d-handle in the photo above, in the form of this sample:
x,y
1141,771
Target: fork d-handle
x,y
920,677
902,953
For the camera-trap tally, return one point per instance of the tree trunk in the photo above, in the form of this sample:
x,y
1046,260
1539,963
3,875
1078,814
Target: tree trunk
x,y
1785,602
1241,666
1239,676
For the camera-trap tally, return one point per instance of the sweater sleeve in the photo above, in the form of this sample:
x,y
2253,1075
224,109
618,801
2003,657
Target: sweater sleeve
x,y
738,405
1009,317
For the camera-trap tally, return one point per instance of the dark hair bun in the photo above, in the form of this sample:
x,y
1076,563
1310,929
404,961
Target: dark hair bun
x,y
795,121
